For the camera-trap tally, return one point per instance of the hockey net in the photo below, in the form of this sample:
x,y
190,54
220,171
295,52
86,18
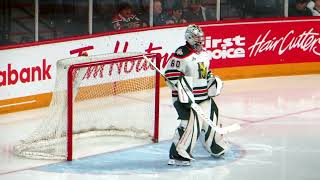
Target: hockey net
x,y
103,95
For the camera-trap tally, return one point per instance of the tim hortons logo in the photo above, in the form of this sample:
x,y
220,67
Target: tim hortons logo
x,y
226,48
11,75
126,67
306,41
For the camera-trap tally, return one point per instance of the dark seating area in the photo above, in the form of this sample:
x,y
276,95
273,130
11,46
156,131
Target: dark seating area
x,y
24,21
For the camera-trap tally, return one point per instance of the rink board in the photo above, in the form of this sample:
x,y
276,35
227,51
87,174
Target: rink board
x,y
42,100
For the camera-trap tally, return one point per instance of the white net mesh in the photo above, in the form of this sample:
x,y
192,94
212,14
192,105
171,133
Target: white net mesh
x,y
111,99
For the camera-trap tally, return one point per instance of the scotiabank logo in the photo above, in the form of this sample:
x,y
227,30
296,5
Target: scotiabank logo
x,y
226,48
11,75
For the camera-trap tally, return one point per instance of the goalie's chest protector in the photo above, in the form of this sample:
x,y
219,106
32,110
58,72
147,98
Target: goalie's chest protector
x,y
195,65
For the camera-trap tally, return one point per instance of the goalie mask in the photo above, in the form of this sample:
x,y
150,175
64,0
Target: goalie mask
x,y
194,36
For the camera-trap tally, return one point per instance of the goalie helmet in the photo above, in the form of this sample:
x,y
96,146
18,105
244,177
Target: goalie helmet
x,y
194,36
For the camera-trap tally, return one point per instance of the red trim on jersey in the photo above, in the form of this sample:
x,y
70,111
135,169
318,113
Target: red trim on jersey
x,y
174,92
172,74
199,91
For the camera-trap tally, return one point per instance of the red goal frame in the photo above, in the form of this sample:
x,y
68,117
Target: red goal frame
x,y
71,69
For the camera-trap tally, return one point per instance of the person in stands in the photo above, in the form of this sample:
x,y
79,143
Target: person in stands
x,y
176,16
195,13
314,6
126,18
159,17
300,9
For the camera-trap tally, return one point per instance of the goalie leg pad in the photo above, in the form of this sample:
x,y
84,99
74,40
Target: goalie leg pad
x,y
173,153
213,142
183,111
189,138
185,137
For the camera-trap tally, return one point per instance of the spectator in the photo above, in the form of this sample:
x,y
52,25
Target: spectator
x,y
176,16
159,17
125,18
196,12
300,9
314,6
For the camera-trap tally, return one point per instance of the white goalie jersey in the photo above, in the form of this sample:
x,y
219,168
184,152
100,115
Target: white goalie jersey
x,y
187,62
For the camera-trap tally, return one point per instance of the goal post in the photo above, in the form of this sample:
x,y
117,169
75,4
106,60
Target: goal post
x,y
94,96
71,73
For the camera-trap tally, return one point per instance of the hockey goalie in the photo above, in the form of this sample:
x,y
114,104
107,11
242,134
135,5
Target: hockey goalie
x,y
191,81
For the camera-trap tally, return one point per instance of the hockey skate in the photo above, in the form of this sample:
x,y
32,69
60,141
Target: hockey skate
x,y
219,150
175,162
179,161
220,155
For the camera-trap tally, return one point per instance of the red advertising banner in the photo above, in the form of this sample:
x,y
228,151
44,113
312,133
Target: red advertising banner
x,y
264,42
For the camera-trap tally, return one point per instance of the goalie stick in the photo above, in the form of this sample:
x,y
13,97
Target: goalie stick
x,y
197,108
